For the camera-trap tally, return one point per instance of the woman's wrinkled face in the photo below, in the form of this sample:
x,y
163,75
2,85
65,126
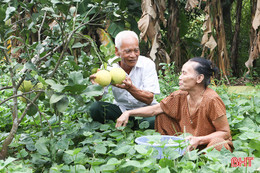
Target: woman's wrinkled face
x,y
129,52
189,77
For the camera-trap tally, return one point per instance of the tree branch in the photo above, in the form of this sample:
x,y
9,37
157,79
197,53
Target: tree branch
x,y
65,47
20,95
6,87
39,33
28,106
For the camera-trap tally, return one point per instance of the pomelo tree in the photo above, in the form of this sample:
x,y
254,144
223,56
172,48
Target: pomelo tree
x,y
47,47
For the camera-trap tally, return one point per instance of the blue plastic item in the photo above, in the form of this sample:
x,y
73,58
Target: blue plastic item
x,y
144,140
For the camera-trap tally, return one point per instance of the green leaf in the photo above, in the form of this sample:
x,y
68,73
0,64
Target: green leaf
x,y
55,1
79,168
78,45
100,149
172,153
133,163
113,161
76,77
164,170
55,98
248,135
54,86
96,161
141,149
191,155
9,12
255,144
1,47
76,151
48,9
23,153
69,152
115,28
30,66
248,122
63,144
93,90
6,162
122,150
144,125
62,104
164,162
41,147
107,168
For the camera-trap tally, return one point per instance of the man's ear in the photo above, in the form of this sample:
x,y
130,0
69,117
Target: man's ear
x,y
116,51
200,78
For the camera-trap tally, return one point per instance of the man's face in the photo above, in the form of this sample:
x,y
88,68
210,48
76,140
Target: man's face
x,y
129,52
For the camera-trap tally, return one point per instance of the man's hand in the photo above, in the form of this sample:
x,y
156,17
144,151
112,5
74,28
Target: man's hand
x,y
93,77
127,83
123,119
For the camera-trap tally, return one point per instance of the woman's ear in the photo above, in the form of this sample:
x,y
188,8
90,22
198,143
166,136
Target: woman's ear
x,y
200,78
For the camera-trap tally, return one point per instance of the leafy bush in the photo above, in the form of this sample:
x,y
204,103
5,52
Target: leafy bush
x,y
80,145
168,80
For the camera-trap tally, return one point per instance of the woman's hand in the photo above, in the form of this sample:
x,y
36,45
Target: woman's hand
x,y
194,142
123,119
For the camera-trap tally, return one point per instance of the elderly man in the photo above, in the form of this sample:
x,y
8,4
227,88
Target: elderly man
x,y
139,87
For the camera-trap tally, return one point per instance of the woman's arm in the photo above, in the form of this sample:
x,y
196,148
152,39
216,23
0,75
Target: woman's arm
x,y
147,111
222,131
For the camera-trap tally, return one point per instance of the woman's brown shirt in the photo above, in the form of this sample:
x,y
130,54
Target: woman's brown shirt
x,y
176,113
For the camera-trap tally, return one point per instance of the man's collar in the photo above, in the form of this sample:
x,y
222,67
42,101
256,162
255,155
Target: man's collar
x,y
138,64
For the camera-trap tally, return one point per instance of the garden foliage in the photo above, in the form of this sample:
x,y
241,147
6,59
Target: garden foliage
x,y
52,42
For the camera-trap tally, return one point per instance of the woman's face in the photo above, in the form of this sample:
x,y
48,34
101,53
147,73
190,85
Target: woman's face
x,y
189,77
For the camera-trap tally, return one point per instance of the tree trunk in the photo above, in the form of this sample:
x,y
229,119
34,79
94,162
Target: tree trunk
x,y
252,31
235,43
9,139
223,59
226,6
254,36
173,32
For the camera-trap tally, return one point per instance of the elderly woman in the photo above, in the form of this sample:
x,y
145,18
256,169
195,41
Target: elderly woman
x,y
194,109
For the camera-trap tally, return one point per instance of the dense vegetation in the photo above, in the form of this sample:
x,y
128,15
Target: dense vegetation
x,y
48,129
74,143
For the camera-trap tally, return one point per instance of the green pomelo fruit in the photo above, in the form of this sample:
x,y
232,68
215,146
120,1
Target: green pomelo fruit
x,y
25,86
94,70
103,78
39,86
117,75
23,99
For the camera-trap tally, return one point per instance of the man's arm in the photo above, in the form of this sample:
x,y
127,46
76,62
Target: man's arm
x,y
141,95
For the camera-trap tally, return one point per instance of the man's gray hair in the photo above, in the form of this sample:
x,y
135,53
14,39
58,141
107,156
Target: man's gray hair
x,y
122,35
